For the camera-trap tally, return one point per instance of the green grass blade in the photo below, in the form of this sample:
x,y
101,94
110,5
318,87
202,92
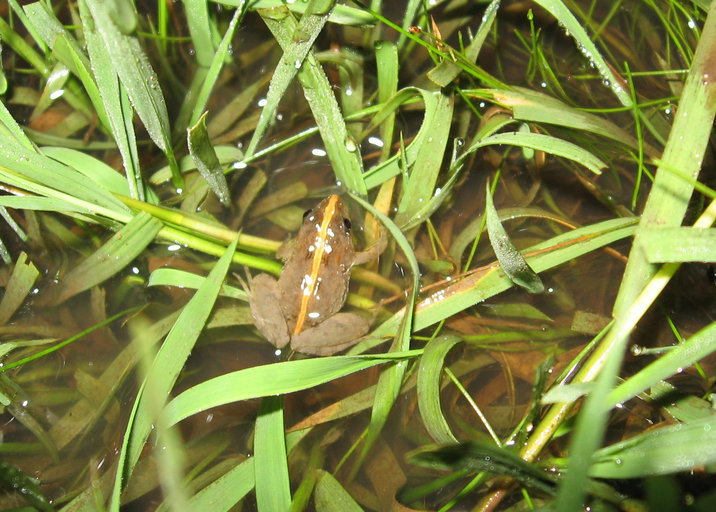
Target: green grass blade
x,y
10,128
672,449
167,365
296,47
136,74
111,258
117,105
273,490
429,377
537,107
511,260
342,150
23,277
662,245
197,18
386,62
268,380
584,43
420,184
546,143
331,496
207,163
685,149
227,490
683,355
217,61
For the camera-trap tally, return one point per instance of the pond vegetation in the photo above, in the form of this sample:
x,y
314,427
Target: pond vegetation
x,y
542,316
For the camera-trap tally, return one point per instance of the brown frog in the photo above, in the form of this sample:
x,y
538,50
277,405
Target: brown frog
x,y
302,306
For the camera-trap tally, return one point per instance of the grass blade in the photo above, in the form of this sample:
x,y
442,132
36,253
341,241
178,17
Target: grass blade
x,y
273,491
112,257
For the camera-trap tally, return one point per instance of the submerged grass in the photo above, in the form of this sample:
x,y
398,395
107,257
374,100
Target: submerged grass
x,y
536,108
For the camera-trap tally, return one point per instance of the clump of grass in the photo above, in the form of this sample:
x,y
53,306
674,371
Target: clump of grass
x,y
110,152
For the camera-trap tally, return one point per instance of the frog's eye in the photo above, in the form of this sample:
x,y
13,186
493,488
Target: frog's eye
x,y
347,224
307,212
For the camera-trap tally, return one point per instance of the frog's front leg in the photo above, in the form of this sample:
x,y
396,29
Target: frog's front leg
x,y
265,304
334,334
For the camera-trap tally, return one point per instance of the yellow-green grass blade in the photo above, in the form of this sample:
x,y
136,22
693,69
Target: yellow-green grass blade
x,y
342,150
23,277
537,107
585,44
270,379
642,282
273,491
685,149
165,369
29,171
490,280
341,14
429,377
546,143
112,257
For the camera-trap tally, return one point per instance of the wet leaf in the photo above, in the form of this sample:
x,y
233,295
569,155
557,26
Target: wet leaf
x,y
21,281
202,151
511,260
273,490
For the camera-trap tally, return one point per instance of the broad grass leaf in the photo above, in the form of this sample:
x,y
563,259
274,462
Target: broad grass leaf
x,y
511,260
23,277
429,377
672,449
111,258
342,150
267,380
330,496
207,163
165,369
273,489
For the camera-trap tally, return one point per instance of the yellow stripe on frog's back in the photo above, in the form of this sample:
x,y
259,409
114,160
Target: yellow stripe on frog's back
x,y
319,245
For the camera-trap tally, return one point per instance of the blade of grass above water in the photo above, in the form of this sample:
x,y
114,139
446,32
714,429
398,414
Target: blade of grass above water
x,y
169,361
217,59
419,186
584,43
343,151
116,104
111,258
429,376
296,47
18,286
490,281
273,489
271,379
665,207
136,74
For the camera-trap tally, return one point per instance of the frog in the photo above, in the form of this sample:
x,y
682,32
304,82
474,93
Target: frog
x,y
303,306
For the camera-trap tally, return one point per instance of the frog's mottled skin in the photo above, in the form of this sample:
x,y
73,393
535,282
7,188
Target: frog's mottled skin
x,y
302,306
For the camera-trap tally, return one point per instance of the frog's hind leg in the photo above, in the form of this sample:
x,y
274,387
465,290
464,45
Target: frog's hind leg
x,y
331,336
265,305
